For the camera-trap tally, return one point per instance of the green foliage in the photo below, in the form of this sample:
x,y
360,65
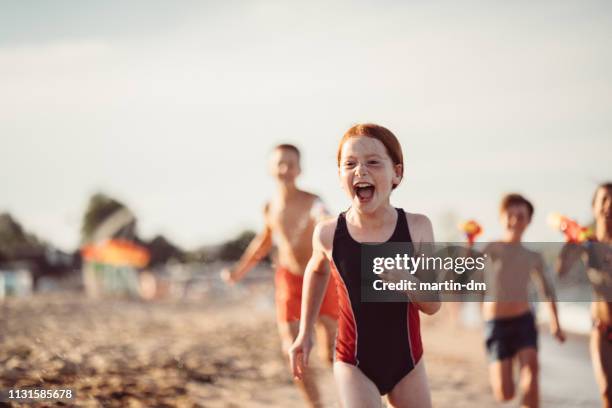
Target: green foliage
x,y
100,207
15,242
163,250
232,250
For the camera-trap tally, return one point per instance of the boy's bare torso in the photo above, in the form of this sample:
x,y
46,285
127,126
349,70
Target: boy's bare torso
x,y
292,223
509,272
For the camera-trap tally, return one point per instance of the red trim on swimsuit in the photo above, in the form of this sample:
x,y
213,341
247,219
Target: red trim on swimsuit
x,y
414,333
346,339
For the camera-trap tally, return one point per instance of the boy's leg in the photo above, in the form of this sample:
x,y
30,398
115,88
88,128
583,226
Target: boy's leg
x,y
500,374
326,336
529,377
354,388
288,332
327,322
412,390
601,355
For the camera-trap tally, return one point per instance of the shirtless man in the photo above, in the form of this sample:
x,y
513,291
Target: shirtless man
x,y
290,218
597,256
510,328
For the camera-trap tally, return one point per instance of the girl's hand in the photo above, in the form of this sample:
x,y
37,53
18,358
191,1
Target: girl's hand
x,y
398,275
427,302
299,353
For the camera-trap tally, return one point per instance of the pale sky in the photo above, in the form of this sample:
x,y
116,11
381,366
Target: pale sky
x,y
173,107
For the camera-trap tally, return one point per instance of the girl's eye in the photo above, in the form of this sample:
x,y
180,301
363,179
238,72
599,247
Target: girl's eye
x,y
349,164
373,162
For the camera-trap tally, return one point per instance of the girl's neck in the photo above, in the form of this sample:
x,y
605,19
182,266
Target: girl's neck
x,y
373,220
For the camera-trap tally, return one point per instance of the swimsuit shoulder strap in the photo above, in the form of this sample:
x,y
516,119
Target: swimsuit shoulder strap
x,y
402,231
341,231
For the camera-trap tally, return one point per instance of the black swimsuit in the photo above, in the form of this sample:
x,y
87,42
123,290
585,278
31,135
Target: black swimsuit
x,y
381,338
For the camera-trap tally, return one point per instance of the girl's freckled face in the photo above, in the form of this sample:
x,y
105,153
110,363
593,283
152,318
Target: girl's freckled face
x,y
367,173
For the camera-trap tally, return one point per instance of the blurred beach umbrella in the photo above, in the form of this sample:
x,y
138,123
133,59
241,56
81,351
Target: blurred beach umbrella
x,y
117,252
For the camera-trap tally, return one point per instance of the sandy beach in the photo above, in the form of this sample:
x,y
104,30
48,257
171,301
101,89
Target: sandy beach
x,y
225,352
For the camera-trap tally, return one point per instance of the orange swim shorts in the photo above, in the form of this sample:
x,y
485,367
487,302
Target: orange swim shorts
x,y
288,294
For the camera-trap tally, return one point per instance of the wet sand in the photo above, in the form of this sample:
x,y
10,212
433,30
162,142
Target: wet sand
x,y
219,353
566,374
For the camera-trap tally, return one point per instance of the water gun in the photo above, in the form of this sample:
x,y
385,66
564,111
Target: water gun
x,y
573,231
471,229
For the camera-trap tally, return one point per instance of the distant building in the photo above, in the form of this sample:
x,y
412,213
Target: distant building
x,y
16,280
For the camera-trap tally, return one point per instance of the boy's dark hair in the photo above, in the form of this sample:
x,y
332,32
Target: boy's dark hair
x,y
515,199
605,186
288,146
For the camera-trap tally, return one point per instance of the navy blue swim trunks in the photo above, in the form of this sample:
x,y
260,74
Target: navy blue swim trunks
x,y
506,336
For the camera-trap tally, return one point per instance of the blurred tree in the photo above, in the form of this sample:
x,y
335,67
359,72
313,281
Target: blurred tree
x,y
15,242
232,250
20,249
163,250
106,217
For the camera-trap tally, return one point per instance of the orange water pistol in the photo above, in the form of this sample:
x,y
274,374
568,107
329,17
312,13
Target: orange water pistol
x,y
471,229
573,231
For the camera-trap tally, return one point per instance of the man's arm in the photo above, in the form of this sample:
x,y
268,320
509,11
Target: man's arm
x,y
258,248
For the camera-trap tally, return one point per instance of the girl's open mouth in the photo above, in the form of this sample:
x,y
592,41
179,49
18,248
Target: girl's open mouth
x,y
364,191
